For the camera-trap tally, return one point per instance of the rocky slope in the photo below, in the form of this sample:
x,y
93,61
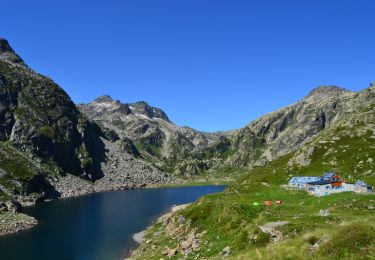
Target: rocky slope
x,y
44,138
149,134
287,129
146,132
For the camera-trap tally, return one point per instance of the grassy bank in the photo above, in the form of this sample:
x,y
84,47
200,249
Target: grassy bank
x,y
230,221
221,176
15,222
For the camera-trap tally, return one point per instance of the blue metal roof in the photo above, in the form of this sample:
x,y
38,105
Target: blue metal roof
x,y
303,179
328,175
319,182
362,183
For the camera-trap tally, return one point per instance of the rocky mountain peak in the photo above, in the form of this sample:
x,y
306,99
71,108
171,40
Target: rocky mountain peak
x,y
323,92
8,54
143,108
104,98
105,104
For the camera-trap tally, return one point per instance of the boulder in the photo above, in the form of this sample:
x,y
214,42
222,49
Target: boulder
x,y
14,206
170,252
3,207
181,219
185,245
195,245
324,213
226,251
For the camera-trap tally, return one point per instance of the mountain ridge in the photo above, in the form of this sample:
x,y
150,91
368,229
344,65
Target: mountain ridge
x,y
105,140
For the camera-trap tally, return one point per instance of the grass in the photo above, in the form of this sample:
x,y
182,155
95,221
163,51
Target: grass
x,y
47,131
14,221
9,218
187,184
19,169
231,219
15,165
148,148
353,240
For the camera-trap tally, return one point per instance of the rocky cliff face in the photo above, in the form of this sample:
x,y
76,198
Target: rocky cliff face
x,y
287,129
39,119
349,140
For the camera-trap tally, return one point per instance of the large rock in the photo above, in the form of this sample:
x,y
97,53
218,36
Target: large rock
x,y
14,206
3,207
8,54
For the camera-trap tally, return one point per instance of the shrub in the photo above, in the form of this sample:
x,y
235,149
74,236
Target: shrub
x,y
353,239
312,240
47,131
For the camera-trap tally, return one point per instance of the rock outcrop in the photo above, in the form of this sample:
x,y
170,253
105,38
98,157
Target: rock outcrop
x,y
287,129
8,54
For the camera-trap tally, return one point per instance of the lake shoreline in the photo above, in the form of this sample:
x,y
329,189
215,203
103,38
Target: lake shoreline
x,y
19,223
110,221
18,226
11,223
140,238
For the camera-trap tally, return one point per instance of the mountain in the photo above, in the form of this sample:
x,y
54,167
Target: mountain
x,y
49,144
151,135
334,132
287,129
43,137
51,148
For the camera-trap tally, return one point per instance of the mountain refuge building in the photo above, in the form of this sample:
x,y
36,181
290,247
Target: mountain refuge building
x,y
327,184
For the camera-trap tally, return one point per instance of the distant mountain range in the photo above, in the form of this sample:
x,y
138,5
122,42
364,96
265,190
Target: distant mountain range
x,y
50,147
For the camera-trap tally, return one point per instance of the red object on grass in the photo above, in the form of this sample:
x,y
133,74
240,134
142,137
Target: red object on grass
x,y
267,203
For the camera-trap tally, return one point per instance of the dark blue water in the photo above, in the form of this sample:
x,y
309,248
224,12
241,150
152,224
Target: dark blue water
x,y
97,226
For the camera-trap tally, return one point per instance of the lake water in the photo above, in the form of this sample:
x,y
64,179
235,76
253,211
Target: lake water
x,y
95,226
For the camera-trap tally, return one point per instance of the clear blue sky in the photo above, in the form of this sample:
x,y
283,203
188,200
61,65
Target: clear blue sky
x,y
210,64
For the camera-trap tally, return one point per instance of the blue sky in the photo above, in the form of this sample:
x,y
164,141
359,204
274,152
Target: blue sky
x,y
210,64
